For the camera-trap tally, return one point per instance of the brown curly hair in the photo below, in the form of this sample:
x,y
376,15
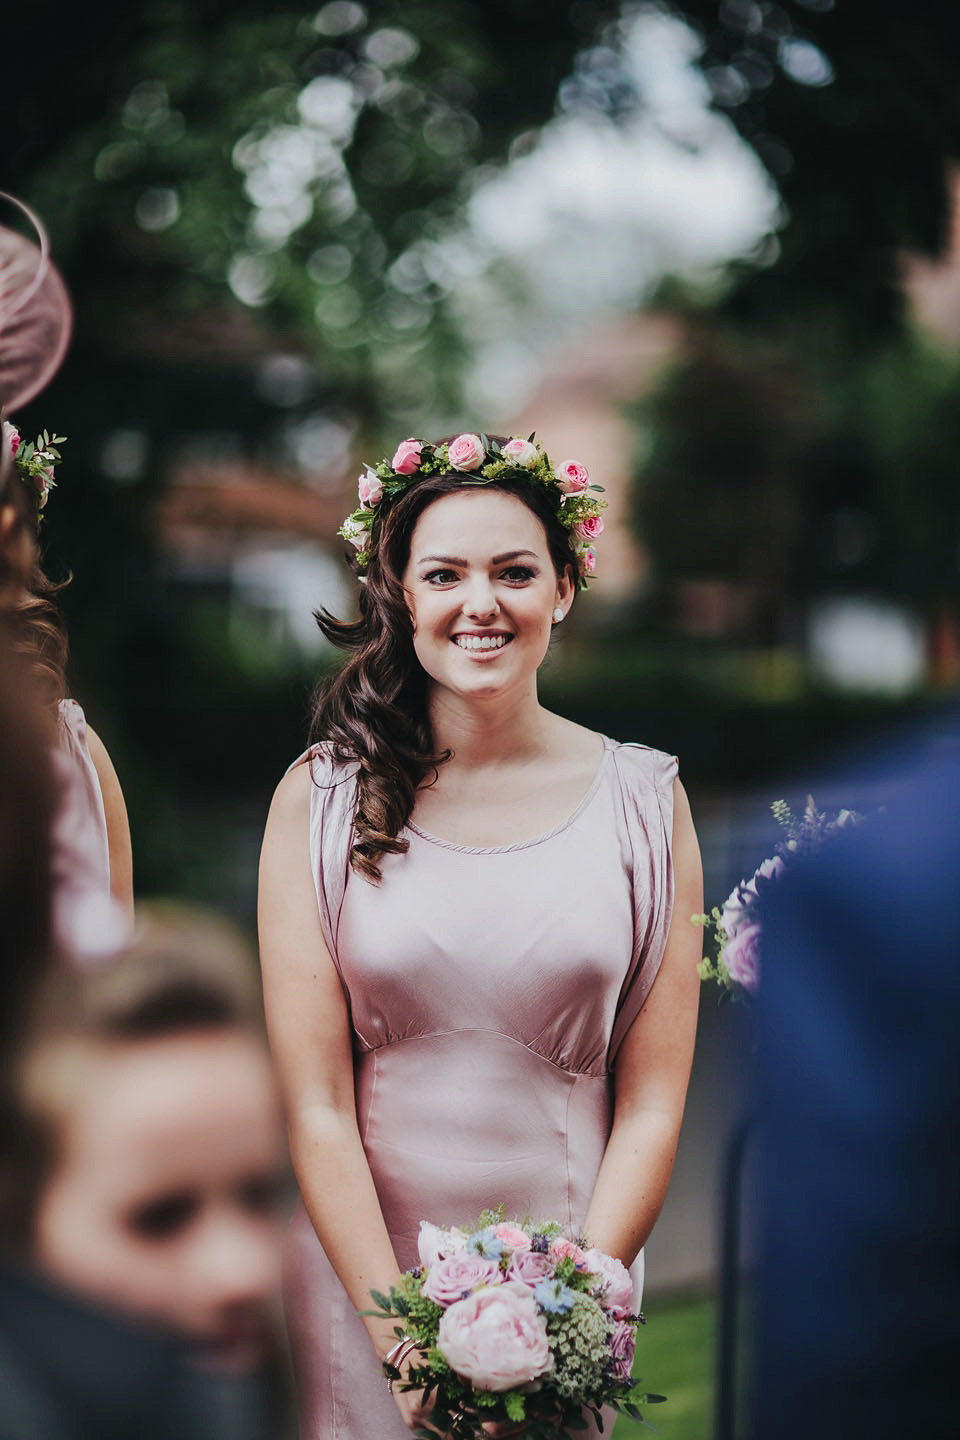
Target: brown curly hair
x,y
374,711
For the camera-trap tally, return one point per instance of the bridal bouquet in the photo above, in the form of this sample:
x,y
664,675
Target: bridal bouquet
x,y
737,927
514,1323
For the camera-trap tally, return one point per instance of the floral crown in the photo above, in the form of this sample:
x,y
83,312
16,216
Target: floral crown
x,y
34,461
479,460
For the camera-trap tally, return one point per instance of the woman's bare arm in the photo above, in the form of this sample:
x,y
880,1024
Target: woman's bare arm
x,y
118,826
652,1071
310,1039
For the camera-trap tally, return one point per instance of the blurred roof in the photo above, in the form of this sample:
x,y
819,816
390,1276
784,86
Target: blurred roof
x,y
932,287
239,497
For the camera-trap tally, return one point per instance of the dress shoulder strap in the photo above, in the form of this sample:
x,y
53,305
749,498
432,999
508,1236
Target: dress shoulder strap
x,y
333,799
646,779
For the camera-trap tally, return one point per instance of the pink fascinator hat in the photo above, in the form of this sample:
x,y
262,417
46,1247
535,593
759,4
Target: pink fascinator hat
x,y
35,313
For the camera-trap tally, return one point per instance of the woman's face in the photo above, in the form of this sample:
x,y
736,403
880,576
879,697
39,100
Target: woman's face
x,y
482,590
164,1200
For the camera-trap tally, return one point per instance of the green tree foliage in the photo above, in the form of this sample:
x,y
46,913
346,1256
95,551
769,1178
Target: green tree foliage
x,y
193,155
807,439
854,108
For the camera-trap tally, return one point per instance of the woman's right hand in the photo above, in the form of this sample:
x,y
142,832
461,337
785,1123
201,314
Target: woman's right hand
x,y
410,1402
416,1415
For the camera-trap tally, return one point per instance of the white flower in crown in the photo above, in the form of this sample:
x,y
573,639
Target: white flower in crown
x,y
521,452
355,531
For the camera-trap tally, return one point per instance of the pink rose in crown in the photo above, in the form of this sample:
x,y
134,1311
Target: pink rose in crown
x,y
521,452
741,955
370,489
451,1279
612,1283
588,561
11,439
496,1338
572,477
466,452
529,1267
588,528
406,460
511,1235
435,1243
622,1346
567,1250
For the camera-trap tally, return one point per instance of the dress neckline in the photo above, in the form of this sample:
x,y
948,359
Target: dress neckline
x,y
592,789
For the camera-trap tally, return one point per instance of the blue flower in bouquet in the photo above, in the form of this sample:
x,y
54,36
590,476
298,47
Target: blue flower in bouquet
x,y
485,1243
554,1297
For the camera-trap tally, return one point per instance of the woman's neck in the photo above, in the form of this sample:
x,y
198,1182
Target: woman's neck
x,y
492,732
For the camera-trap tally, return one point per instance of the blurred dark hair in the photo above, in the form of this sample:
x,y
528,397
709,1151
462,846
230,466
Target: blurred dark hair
x,y
374,710
30,612
27,803
188,971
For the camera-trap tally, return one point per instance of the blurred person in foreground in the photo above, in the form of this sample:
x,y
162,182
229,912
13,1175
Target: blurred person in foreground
x,y
142,1169
91,863
858,1325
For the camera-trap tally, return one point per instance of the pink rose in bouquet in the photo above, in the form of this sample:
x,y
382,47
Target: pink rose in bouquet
x,y
406,459
435,1243
612,1281
511,1235
529,1267
11,439
741,956
521,452
497,1338
466,452
370,489
567,1250
622,1348
588,561
572,477
457,1276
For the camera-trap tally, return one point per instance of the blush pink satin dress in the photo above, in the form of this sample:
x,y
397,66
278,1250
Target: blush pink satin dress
x,y
489,988
88,924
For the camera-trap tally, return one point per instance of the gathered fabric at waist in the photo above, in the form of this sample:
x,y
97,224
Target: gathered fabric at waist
x,y
453,1124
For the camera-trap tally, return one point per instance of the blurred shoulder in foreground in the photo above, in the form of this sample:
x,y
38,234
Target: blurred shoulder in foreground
x,y
859,1303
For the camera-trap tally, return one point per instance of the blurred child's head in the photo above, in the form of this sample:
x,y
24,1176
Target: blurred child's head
x,y
147,1163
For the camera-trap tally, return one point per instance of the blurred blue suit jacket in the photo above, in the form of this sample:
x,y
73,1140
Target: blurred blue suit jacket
x,y
858,1316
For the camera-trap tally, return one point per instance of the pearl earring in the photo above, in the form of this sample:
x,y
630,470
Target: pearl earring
x,y
557,615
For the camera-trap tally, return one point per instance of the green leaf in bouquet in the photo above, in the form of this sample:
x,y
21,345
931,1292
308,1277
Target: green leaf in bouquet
x,y
515,1406
385,1302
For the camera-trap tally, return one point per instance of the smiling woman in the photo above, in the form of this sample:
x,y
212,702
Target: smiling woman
x,y
465,903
